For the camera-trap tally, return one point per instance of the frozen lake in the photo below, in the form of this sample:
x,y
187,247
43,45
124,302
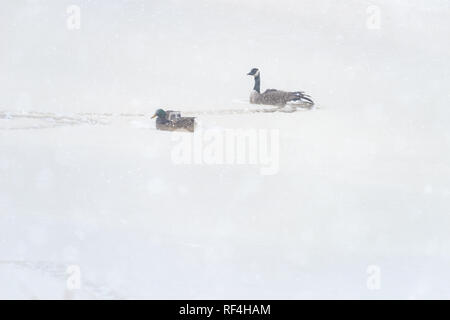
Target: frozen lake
x,y
93,204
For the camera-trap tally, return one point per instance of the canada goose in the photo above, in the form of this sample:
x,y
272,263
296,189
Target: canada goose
x,y
172,121
275,97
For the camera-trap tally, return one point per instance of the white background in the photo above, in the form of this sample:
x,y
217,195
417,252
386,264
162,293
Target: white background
x,y
363,179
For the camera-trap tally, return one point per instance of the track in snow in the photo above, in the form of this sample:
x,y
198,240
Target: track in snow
x,y
57,272
46,120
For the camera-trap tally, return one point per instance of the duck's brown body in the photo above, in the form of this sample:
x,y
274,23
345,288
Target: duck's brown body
x,y
182,124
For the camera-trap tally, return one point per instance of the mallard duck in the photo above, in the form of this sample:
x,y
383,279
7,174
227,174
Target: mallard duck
x,y
276,97
172,121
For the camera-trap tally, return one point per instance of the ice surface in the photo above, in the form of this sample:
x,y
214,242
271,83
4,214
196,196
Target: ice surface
x,y
87,181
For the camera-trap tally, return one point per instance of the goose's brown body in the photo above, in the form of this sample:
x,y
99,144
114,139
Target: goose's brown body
x,y
278,97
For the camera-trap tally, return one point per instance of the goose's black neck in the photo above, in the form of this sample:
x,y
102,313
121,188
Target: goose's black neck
x,y
257,84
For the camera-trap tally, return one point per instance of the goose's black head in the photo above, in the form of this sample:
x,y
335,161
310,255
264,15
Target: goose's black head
x,y
254,72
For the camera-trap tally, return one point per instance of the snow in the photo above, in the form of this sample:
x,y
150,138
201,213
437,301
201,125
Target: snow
x,y
362,187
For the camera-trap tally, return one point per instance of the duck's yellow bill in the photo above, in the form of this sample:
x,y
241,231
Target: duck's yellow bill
x,y
153,116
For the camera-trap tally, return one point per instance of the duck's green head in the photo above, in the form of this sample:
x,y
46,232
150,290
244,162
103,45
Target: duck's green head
x,y
160,113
